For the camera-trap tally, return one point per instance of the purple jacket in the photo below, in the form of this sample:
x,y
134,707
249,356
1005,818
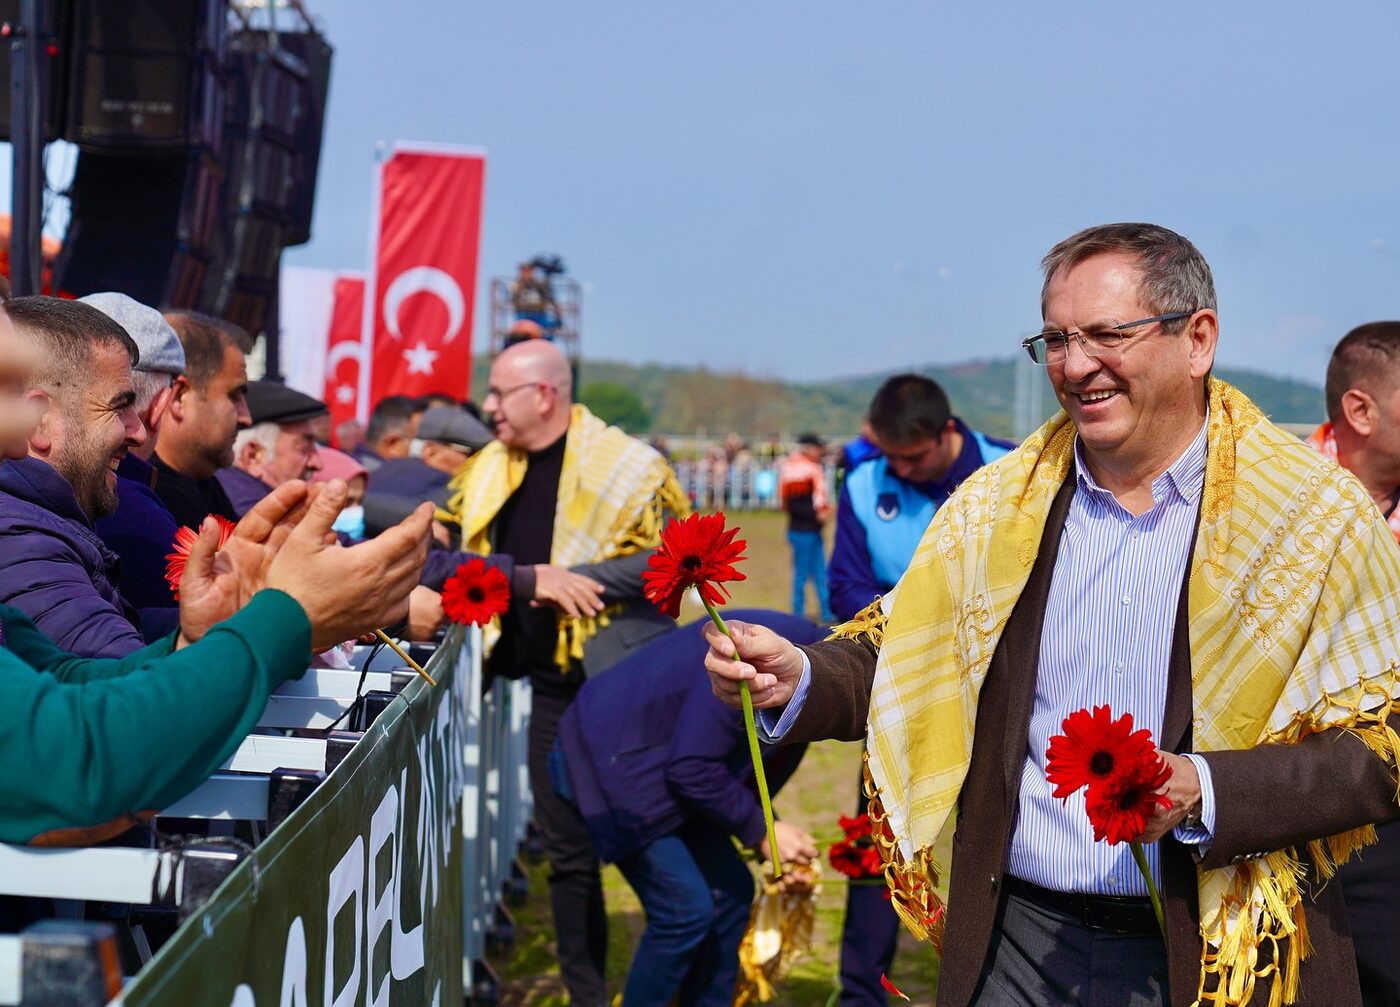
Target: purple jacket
x,y
648,746
244,490
56,570
141,533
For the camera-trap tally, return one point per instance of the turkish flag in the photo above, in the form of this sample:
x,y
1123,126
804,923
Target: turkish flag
x,y
424,279
345,359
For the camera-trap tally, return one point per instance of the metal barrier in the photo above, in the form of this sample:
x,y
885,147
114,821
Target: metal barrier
x,y
744,485
496,813
354,864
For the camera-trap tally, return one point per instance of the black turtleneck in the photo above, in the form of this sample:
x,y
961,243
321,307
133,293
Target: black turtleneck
x,y
525,532
190,501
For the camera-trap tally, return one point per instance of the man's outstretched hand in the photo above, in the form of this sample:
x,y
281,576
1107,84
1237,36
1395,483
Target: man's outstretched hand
x,y
770,665
568,592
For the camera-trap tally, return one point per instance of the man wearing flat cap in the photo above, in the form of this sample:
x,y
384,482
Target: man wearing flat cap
x,y
447,437
142,529
278,447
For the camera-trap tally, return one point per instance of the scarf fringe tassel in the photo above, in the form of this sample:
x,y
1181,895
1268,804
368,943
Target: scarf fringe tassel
x,y
868,626
1263,910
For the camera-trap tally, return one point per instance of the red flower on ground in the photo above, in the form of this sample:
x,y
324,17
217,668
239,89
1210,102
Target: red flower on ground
x,y
475,594
1095,749
699,552
185,539
1119,807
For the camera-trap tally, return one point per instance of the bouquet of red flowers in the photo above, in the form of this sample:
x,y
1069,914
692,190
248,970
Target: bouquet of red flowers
x,y
1123,773
855,855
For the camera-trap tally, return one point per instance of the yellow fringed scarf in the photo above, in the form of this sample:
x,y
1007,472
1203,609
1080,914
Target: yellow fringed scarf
x,y
1294,611
614,493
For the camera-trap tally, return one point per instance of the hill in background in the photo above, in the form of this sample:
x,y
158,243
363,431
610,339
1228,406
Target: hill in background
x,y
682,400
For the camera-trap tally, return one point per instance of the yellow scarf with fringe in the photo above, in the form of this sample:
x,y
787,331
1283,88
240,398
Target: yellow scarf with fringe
x,y
1294,612
614,493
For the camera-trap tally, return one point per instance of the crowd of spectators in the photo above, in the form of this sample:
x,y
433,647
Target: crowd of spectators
x,y
121,424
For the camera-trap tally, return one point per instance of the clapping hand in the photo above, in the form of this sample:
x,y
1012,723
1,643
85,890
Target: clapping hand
x,y
346,592
218,582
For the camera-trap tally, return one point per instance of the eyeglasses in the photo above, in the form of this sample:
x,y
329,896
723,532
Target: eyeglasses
x,y
498,394
1051,347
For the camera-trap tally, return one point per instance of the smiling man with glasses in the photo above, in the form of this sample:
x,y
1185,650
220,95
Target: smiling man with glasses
x,y
1163,549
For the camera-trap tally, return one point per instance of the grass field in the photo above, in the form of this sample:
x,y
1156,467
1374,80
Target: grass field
x,y
822,788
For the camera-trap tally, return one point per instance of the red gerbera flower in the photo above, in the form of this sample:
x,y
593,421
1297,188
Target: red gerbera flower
x,y
1095,748
698,552
185,539
1119,807
846,858
870,860
475,593
854,828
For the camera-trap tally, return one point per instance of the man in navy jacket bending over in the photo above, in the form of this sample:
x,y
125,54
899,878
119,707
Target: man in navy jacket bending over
x,y
660,772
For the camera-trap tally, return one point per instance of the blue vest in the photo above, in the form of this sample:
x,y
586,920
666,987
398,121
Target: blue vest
x,y
895,513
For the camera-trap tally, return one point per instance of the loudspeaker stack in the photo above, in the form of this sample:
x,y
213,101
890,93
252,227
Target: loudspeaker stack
x,y
198,149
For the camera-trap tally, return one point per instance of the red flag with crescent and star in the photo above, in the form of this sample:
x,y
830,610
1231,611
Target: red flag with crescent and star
x,y
424,281
345,348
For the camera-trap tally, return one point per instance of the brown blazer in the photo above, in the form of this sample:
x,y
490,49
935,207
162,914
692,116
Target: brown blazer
x,y
1266,797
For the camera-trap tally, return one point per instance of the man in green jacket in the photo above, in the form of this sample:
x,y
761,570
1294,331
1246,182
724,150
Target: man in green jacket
x,y
85,742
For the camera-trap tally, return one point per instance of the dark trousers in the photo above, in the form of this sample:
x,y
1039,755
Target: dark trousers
x,y
869,937
575,886
1042,958
1371,887
696,892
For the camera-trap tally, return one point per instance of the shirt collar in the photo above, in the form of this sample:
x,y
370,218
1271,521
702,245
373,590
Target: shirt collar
x,y
1184,477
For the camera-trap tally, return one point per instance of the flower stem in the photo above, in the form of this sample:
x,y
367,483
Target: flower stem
x,y
755,753
384,638
1140,856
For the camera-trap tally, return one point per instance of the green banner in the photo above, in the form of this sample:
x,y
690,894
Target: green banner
x,y
355,899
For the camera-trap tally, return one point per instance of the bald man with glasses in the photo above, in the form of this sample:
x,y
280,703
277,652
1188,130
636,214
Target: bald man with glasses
x,y
559,490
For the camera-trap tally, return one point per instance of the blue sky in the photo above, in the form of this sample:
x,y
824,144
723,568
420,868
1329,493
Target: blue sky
x,y
811,189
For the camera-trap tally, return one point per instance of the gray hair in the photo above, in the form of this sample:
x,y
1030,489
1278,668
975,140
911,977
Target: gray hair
x,y
1175,275
148,385
263,434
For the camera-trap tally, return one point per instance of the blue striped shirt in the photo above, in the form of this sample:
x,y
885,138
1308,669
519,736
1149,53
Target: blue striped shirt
x,y
1107,639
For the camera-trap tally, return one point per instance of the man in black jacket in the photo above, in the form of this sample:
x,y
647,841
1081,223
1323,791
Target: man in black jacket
x,y
207,410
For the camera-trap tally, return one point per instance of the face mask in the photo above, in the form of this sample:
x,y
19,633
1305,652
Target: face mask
x,y
351,522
